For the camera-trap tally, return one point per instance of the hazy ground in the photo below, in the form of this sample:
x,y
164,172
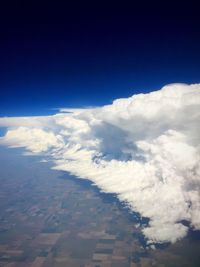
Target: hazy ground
x,y
48,218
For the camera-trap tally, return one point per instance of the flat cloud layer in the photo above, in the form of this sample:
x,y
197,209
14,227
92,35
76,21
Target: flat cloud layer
x,y
144,148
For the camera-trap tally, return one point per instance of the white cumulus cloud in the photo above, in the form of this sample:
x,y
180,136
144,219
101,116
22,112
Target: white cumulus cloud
x,y
145,149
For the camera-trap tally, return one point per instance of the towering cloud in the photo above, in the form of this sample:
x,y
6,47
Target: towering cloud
x,y
145,148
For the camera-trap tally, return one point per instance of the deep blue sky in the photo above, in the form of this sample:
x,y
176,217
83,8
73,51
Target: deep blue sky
x,y
55,55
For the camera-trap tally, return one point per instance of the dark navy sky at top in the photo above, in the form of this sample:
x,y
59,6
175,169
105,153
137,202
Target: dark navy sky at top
x,y
55,55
